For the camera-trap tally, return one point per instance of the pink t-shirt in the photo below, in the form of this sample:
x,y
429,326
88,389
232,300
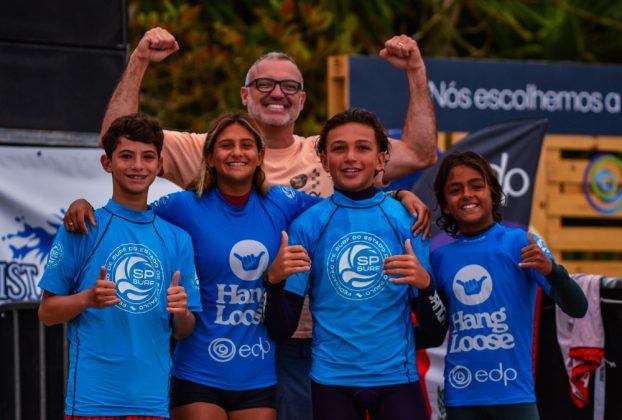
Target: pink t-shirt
x,y
297,166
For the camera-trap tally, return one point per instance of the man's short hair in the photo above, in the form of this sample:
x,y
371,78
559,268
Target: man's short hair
x,y
274,55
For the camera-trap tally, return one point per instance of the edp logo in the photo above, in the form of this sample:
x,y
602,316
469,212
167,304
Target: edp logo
x,y
461,376
515,182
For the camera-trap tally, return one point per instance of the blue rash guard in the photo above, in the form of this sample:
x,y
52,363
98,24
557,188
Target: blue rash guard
x,y
230,348
491,303
362,328
119,356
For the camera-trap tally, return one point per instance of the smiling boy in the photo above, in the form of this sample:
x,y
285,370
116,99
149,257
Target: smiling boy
x,y
124,289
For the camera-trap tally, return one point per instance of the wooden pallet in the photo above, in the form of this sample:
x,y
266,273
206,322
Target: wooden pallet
x,y
581,237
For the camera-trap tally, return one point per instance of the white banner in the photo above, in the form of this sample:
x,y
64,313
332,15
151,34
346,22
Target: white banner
x,y
37,184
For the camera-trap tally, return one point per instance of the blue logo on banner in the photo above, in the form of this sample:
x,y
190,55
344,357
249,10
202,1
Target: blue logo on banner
x,y
38,240
29,246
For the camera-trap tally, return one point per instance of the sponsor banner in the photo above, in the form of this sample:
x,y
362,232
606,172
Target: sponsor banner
x,y
38,184
471,94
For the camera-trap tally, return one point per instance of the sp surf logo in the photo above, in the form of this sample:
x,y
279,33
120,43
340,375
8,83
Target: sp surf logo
x,y
355,265
137,272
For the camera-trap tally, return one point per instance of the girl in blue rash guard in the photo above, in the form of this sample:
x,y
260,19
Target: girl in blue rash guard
x,y
353,253
227,366
489,277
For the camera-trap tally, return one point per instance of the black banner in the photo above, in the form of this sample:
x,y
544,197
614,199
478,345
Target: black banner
x,y
513,150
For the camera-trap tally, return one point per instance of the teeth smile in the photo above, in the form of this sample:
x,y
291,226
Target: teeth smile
x,y
469,206
276,106
236,164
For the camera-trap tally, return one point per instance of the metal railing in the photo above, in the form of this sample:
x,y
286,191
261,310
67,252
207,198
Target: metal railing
x,y
33,365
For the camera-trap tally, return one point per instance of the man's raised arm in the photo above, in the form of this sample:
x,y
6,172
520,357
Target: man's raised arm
x,y
155,46
417,149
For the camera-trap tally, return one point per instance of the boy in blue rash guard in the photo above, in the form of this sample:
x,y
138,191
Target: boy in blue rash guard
x,y
353,253
124,288
489,277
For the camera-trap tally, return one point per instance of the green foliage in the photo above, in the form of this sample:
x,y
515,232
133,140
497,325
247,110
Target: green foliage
x,y
219,40
570,30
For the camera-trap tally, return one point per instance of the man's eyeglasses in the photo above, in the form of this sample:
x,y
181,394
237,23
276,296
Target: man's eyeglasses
x,y
266,85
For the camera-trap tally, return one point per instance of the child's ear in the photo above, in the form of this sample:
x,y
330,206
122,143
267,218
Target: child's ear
x,y
381,162
324,161
260,157
106,163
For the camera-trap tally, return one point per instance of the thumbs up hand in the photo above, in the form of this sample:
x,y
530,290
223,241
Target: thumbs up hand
x,y
290,260
532,256
103,293
408,267
176,298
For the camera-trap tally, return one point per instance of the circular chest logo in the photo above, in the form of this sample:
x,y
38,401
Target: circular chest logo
x,y
222,350
248,259
472,284
355,265
56,255
137,272
460,377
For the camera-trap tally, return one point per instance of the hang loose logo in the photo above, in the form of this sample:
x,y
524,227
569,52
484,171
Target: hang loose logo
x,y
472,284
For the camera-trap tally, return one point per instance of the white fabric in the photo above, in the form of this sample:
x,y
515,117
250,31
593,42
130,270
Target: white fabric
x,y
582,341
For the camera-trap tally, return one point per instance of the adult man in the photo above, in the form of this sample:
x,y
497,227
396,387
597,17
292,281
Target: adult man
x,y
124,288
276,112
274,95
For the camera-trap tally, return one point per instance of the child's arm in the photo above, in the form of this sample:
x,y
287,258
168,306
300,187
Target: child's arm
x,y
177,304
430,337
282,311
283,308
77,214
564,291
415,207
430,308
56,309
